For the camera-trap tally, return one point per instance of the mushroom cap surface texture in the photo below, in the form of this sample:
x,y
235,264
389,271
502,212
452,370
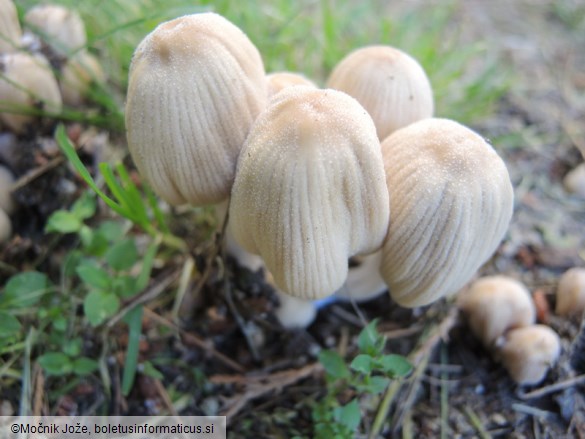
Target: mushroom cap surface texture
x,y
496,304
10,31
77,75
390,84
62,28
527,353
6,181
310,189
196,85
571,292
278,80
27,85
451,201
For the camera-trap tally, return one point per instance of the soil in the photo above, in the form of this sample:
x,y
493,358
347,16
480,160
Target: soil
x,y
231,356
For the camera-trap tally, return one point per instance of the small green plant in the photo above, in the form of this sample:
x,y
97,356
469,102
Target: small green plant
x,y
368,374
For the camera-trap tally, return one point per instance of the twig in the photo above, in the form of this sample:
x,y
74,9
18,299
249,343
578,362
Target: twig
x,y
562,385
165,397
476,423
36,173
258,386
193,339
39,385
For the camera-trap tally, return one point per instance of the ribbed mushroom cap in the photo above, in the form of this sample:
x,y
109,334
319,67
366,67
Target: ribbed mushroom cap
x,y
527,353
571,292
496,304
6,181
62,28
196,85
390,84
77,75
451,200
310,189
27,84
10,31
278,80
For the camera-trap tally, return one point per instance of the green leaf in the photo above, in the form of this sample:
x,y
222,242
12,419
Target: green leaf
x,y
134,320
84,366
72,348
149,370
395,366
334,364
55,363
122,255
113,231
349,415
370,341
93,276
362,364
84,207
147,262
125,286
375,385
70,263
60,324
9,325
24,289
99,305
62,221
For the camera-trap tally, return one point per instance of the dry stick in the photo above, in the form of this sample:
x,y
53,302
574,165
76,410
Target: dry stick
x,y
36,173
39,384
419,358
562,385
165,397
261,385
193,339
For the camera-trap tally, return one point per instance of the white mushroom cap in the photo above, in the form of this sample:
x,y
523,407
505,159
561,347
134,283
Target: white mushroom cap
x,y
496,304
451,200
77,75
390,84
278,80
574,181
10,31
27,84
527,353
310,189
62,28
196,85
571,292
5,226
6,181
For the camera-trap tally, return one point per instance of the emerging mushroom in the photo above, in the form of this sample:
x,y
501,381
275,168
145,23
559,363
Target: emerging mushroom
x,y
62,28
27,87
196,85
495,304
571,293
10,31
279,80
527,353
574,181
451,201
390,84
77,75
310,189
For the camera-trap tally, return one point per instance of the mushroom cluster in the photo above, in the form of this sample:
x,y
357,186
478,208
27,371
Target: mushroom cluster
x,y
313,177
501,313
44,67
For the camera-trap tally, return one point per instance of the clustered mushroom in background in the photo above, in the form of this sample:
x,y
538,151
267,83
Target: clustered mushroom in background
x,y
42,69
313,177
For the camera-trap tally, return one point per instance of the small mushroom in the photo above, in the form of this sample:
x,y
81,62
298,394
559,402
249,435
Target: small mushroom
x,y
279,80
5,226
571,293
10,31
390,84
27,87
294,313
451,201
6,181
310,189
574,181
496,304
62,28
77,75
196,85
527,353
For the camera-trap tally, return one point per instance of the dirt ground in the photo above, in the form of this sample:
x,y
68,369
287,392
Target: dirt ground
x,y
233,358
